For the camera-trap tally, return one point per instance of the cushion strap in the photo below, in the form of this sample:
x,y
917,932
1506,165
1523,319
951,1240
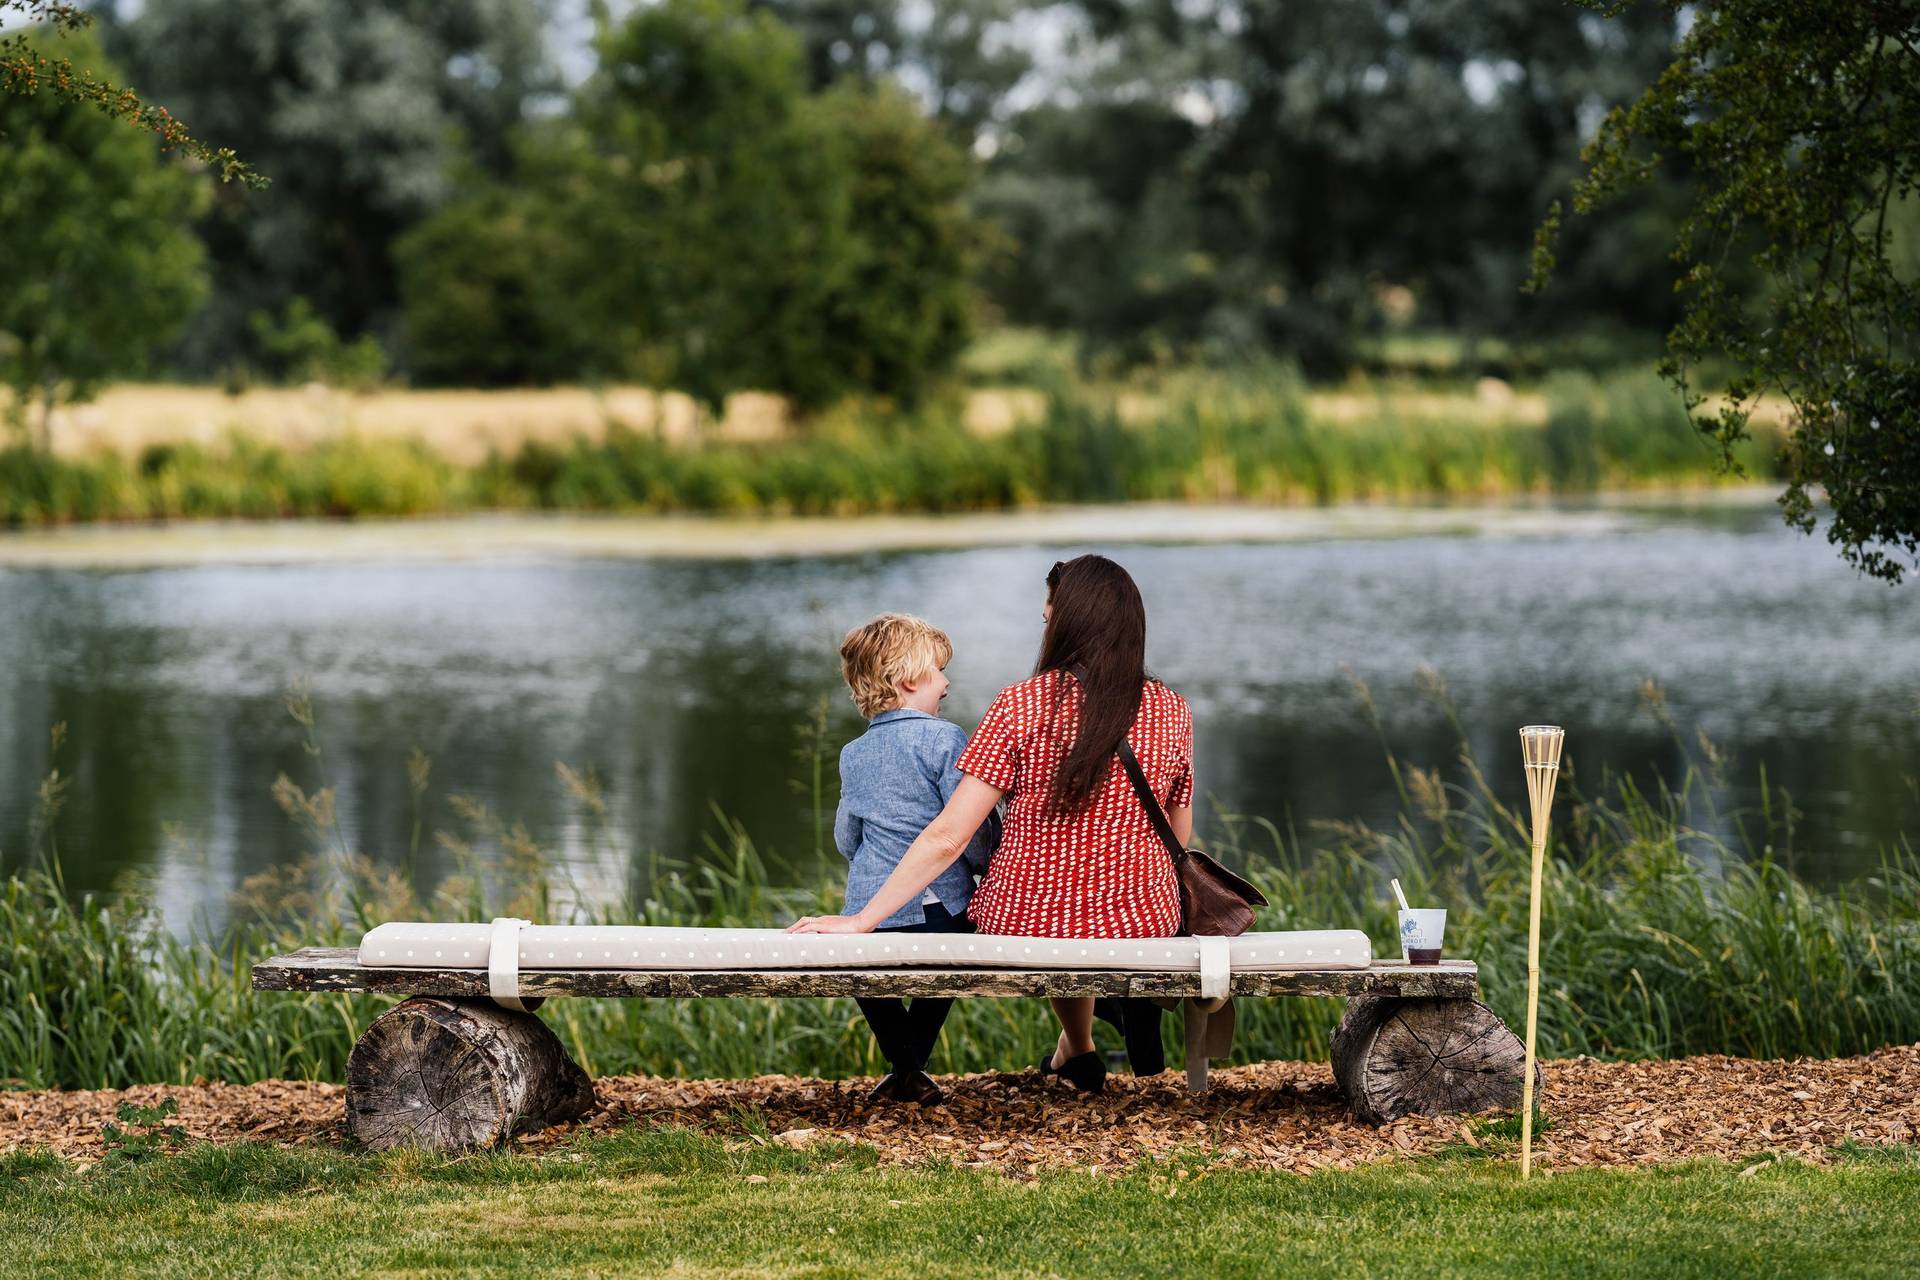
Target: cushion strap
x,y
1216,968
503,965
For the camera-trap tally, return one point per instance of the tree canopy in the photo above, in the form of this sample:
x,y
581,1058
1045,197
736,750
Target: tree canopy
x,y
365,111
704,221
31,69
101,266
1236,178
1799,124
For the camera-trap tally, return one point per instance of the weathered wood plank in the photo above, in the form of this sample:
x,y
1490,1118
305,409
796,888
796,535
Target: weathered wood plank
x,y
339,969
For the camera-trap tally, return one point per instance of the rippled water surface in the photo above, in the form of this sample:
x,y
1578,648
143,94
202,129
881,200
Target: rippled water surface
x,y
686,684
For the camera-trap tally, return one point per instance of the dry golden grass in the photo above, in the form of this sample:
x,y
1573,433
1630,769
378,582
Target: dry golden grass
x,y
465,426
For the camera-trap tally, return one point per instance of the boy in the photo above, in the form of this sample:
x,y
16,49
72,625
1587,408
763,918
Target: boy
x,y
894,779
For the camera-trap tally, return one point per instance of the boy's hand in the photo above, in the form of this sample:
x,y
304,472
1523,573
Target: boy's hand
x,y
829,924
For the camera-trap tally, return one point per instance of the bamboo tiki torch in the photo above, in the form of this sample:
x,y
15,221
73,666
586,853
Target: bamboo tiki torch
x,y
1540,753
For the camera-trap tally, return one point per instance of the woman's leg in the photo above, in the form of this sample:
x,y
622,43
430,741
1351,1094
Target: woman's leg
x,y
1076,1026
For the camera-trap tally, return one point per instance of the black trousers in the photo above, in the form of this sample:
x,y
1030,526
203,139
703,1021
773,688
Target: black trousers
x,y
906,1033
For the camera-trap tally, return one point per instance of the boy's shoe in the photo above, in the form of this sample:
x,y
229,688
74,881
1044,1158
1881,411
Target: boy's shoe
x,y
913,1086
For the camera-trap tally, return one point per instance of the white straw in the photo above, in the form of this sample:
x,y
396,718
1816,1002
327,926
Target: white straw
x,y
1398,894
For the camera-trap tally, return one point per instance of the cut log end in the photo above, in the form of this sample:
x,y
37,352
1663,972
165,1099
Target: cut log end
x,y
453,1075
1394,1057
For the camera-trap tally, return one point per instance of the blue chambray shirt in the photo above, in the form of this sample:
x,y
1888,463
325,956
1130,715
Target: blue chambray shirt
x,y
894,779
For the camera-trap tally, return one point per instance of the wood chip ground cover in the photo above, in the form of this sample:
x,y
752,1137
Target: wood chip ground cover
x,y
1277,1115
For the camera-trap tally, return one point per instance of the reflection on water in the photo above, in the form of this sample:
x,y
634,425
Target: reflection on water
x,y
686,684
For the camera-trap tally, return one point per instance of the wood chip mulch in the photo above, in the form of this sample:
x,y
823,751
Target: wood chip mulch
x,y
1277,1115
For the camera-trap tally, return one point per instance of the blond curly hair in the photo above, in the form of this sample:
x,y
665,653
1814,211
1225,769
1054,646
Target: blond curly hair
x,y
877,657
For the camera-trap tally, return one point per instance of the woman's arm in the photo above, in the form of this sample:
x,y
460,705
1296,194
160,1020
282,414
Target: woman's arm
x,y
932,852
1181,819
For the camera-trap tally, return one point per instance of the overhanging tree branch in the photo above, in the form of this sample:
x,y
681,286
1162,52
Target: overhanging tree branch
x,y
25,72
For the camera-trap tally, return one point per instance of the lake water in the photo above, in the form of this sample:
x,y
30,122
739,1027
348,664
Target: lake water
x,y
686,683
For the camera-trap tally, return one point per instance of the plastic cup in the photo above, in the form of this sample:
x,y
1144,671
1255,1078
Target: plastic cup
x,y
1420,933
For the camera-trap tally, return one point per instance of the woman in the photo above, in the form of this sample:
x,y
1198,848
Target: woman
x,y
1079,858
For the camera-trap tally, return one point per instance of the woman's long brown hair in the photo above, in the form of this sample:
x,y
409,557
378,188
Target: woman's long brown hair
x,y
1097,631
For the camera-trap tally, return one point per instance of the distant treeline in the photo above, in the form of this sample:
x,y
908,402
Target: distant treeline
x,y
816,198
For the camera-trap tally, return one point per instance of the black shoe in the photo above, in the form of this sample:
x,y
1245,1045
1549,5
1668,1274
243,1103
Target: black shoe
x,y
1085,1071
918,1087
913,1086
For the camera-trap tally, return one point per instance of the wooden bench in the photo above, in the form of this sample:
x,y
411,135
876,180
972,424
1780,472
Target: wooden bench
x,y
449,1068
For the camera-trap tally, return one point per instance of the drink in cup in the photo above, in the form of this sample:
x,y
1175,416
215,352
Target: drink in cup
x,y
1420,932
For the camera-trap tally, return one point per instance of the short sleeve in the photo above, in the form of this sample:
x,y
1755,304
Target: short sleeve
x,y
943,762
1182,795
993,754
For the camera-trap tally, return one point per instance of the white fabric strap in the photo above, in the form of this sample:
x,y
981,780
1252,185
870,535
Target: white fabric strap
x,y
1216,968
503,964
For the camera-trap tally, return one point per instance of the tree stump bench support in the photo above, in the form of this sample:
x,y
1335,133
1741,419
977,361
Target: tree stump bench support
x,y
448,1069
1395,1056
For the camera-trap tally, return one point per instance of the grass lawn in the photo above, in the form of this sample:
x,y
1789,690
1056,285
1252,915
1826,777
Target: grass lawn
x,y
657,1201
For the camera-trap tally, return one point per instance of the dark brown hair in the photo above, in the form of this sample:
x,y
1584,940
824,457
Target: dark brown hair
x,y
1098,632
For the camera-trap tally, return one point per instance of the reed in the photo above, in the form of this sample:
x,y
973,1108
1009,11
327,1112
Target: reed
x,y
1255,435
1661,939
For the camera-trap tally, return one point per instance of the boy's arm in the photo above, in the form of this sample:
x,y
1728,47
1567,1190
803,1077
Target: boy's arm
x,y
846,830
987,839
935,849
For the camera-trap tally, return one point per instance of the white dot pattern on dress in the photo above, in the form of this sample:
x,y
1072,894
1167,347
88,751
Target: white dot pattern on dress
x,y
1102,873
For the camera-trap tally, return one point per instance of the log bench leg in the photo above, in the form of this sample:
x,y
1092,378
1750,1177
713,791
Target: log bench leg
x,y
1395,1056
452,1075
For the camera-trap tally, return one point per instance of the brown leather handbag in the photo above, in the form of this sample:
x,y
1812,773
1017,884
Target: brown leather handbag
x,y
1214,902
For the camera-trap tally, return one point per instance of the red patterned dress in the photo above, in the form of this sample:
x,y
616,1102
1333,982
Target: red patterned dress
x,y
1101,873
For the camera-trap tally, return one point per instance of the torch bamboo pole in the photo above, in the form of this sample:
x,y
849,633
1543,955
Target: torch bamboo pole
x,y
1540,753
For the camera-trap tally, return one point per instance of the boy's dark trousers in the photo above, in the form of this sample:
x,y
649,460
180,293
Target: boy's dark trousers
x,y
907,1033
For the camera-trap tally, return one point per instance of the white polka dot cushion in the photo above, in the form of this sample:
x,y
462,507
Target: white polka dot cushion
x,y
465,946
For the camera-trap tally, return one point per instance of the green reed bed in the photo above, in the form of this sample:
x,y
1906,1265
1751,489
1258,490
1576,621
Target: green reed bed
x,y
1246,436
1660,939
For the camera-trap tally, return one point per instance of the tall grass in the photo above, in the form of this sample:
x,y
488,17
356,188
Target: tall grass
x,y
1660,940
1247,436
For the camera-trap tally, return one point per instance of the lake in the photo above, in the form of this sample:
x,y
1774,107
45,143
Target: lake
x,y
687,682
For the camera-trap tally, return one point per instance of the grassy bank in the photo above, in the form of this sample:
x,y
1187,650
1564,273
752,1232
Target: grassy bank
x,y
1661,940
652,1202
1255,436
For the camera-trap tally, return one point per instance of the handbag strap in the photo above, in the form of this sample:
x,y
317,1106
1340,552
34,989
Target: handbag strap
x,y
1151,803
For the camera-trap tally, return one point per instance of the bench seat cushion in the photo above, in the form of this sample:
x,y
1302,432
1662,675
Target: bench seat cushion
x,y
639,947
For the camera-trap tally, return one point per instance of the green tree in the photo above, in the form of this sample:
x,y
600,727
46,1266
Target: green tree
x,y
706,223
721,223
94,230
1231,178
29,70
494,286
900,308
1801,123
961,57
364,110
